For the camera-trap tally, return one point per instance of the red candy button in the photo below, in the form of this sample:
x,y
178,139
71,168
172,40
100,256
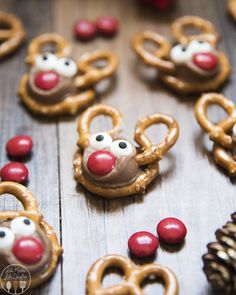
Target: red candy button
x,y
205,61
19,146
84,29
46,80
107,25
14,171
28,250
143,244
101,162
171,231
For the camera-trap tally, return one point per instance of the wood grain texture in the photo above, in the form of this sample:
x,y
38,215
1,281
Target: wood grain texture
x,y
190,186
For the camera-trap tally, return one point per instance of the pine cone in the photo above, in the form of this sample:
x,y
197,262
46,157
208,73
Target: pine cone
x,y
220,261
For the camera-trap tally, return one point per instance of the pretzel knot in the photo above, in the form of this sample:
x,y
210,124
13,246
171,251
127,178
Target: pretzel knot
x,y
112,178
232,8
31,211
194,65
223,133
12,36
134,276
56,84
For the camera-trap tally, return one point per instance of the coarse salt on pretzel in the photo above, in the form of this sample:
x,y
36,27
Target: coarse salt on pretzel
x,y
26,231
194,65
56,84
223,133
134,276
110,166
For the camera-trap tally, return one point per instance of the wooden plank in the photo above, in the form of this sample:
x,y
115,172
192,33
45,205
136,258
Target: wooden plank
x,y
14,119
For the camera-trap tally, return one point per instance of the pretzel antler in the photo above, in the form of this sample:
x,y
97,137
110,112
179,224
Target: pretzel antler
x,y
156,58
154,152
133,277
92,112
232,8
22,194
217,132
93,74
62,46
208,30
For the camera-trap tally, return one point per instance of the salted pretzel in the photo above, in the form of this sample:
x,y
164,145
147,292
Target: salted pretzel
x,y
110,166
194,65
232,8
56,84
223,133
12,36
134,276
26,239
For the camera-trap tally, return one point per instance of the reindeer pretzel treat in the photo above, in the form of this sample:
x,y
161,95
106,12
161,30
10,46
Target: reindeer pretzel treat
x,y
110,166
56,84
232,8
223,133
12,35
26,239
194,65
134,276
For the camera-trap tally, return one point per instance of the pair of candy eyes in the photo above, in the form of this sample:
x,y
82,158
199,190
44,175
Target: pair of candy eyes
x,y
63,66
21,226
180,54
118,147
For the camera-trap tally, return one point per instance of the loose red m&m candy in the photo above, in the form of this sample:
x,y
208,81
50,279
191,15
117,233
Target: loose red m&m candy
x,y
19,146
171,230
14,171
107,25
143,244
85,29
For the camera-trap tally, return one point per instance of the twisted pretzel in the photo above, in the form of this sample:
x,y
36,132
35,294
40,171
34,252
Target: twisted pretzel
x,y
11,37
153,152
148,158
134,275
218,132
232,8
93,74
31,211
62,46
209,32
156,58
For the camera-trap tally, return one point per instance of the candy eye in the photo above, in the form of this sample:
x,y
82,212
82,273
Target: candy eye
x,y
179,54
66,67
100,140
197,46
121,148
6,237
46,61
234,130
23,226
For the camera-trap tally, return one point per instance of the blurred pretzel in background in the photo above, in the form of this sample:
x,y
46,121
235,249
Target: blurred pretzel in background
x,y
56,84
26,239
223,133
232,8
134,276
108,165
12,33
194,65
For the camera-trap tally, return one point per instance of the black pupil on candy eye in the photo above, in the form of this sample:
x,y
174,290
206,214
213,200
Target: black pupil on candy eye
x,y
99,137
45,57
27,221
2,234
122,145
200,41
183,49
67,62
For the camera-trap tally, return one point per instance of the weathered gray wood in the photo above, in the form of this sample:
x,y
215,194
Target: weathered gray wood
x,y
190,186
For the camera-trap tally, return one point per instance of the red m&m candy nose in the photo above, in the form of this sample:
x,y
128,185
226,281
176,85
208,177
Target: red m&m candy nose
x,y
46,80
19,146
28,250
205,61
101,162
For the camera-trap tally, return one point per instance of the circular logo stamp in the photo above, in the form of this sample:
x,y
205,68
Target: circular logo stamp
x,y
15,279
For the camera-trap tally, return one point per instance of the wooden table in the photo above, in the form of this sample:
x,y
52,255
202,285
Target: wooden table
x,y
190,186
